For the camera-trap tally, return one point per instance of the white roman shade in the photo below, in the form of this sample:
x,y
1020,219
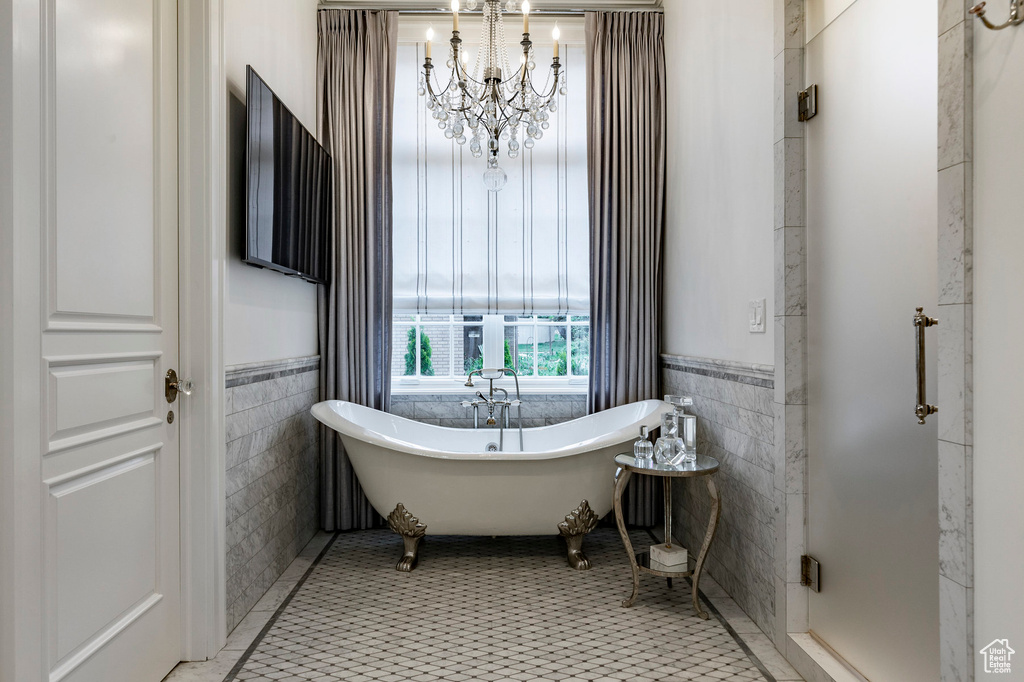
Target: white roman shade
x,y
459,249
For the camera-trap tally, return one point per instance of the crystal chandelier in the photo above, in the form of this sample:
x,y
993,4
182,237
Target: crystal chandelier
x,y
491,103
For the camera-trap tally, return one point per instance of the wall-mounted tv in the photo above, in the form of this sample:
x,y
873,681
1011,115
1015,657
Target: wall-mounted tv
x,y
288,188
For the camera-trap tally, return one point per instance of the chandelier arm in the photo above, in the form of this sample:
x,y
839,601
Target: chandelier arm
x,y
554,84
471,81
546,96
541,95
431,90
437,95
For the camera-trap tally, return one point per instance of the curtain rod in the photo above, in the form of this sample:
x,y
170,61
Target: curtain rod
x,y
533,12
471,13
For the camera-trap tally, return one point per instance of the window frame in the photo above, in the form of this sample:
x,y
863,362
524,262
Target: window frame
x,y
455,383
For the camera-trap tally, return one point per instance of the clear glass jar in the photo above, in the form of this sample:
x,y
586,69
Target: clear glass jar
x,y
688,435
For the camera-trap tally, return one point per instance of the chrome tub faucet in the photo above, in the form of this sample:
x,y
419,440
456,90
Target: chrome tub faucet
x,y
503,405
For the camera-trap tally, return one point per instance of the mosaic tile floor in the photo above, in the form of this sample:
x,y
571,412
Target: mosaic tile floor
x,y
488,609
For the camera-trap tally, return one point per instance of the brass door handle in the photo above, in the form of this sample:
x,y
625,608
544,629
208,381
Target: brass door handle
x,y
173,386
921,322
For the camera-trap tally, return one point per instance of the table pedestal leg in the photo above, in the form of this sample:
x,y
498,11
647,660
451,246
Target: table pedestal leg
x,y
716,506
621,479
667,488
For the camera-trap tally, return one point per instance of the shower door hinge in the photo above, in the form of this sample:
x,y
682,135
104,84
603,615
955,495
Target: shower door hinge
x,y
810,573
807,103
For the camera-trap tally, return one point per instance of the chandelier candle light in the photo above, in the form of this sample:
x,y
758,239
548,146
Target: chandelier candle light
x,y
494,106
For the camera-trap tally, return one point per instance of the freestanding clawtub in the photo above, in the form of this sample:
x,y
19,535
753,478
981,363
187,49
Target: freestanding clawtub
x,y
561,481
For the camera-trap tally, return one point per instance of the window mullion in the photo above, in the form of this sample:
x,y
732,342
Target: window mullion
x,y
536,364
419,351
451,346
568,347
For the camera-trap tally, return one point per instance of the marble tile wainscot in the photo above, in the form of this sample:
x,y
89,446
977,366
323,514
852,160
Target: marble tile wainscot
x,y
790,265
957,644
271,479
445,409
735,424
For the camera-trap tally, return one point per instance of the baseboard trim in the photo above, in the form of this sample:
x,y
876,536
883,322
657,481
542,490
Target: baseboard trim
x,y
818,662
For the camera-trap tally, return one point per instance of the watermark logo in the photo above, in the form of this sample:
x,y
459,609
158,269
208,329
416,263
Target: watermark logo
x,y
997,656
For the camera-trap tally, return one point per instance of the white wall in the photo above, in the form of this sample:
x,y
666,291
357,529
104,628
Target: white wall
x,y
267,315
998,338
7,421
719,243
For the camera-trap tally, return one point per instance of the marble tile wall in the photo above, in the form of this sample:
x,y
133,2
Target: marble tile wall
x,y
790,395
445,409
955,340
271,479
736,425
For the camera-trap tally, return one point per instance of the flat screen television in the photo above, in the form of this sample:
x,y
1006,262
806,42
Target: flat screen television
x,y
288,188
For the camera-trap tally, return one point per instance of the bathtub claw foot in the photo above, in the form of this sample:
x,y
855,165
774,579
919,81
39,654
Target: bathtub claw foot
x,y
409,558
577,559
409,527
577,524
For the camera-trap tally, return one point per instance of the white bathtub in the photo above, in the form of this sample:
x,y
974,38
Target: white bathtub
x,y
448,481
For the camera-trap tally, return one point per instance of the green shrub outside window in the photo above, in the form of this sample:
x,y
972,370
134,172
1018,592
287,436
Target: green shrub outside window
x,y
426,366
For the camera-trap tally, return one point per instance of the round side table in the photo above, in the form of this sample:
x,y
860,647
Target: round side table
x,y
640,561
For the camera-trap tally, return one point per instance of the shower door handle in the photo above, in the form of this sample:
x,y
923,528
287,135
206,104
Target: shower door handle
x,y
923,409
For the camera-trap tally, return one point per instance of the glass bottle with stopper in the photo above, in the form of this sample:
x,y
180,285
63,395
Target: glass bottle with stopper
x,y
687,425
643,449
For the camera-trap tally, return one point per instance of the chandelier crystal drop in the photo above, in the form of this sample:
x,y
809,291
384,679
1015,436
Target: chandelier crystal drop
x,y
490,103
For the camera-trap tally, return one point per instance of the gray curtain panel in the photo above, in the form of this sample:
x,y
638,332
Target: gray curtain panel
x,y
356,54
626,165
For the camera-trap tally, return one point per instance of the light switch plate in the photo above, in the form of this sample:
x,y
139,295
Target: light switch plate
x,y
757,316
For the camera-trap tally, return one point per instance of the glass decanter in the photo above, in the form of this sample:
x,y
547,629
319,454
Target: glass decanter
x,y
669,448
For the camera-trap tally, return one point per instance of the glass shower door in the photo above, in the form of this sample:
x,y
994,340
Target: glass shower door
x,y
871,258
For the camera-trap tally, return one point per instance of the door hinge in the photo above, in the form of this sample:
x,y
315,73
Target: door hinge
x,y
807,103
810,573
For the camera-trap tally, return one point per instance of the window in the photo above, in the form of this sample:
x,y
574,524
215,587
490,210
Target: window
x,y
438,351
548,345
435,346
502,272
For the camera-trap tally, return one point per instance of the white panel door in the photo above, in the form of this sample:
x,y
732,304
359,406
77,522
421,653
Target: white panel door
x,y
871,256
110,564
